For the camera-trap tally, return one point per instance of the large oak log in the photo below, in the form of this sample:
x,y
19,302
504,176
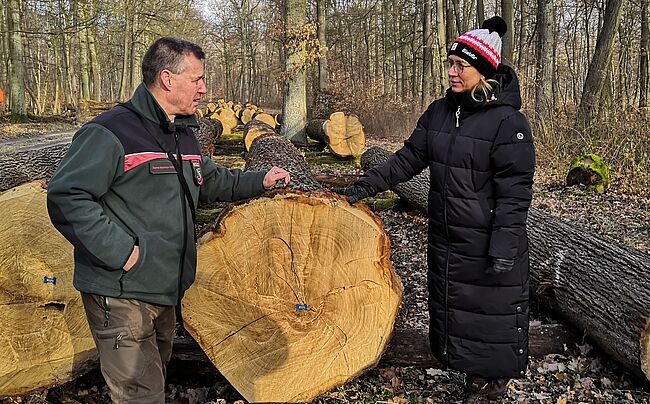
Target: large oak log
x,y
597,284
294,292
207,133
254,129
44,337
343,134
227,118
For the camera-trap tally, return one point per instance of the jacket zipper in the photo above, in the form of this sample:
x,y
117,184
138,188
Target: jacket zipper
x,y
451,144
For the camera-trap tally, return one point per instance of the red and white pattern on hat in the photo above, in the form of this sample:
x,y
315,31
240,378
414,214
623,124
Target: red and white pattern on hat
x,y
486,50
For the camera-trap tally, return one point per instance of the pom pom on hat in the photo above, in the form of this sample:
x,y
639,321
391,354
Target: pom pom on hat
x,y
481,48
497,24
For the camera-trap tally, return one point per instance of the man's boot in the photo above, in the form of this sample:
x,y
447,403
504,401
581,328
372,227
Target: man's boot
x,y
482,391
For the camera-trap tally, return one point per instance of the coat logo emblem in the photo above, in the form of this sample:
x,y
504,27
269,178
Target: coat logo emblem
x,y
198,174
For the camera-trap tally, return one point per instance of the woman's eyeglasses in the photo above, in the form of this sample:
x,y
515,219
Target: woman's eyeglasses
x,y
458,66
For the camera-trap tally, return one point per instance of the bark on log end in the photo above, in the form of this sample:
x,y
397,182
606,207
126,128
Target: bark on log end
x,y
294,295
45,337
254,129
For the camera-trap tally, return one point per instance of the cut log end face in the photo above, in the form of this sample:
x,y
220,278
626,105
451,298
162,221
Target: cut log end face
x,y
294,295
345,135
45,338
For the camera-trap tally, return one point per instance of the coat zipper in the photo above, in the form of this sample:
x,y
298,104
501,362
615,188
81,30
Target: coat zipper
x,y
451,144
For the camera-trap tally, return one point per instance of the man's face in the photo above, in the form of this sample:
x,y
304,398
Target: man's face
x,y
188,86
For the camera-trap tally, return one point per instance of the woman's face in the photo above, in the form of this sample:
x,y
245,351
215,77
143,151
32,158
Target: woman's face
x,y
462,76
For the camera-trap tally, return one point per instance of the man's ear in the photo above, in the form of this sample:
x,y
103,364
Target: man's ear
x,y
166,79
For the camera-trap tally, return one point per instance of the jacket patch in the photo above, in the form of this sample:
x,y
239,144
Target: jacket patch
x,y
161,167
198,174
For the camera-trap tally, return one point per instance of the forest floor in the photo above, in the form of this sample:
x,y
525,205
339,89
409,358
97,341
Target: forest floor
x,y
580,374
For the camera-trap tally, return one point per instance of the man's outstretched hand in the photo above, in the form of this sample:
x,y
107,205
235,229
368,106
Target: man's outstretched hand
x,y
353,192
276,177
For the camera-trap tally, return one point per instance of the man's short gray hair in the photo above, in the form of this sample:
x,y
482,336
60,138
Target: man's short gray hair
x,y
167,53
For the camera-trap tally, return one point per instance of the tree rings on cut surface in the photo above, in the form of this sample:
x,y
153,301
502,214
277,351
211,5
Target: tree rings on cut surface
x,y
294,295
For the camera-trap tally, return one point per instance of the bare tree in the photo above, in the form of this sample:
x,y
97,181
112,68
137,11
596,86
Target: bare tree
x,y
323,71
545,45
17,79
598,67
427,47
508,15
294,106
644,58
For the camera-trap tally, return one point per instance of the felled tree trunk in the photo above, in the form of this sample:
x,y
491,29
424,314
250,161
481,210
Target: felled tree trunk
x,y
25,160
343,134
294,292
276,150
266,118
208,132
254,129
597,284
45,337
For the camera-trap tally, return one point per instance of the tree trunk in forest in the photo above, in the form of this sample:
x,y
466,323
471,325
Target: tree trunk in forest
x,y
597,73
427,49
597,284
441,40
82,37
305,301
95,69
480,12
123,93
508,15
17,84
46,340
323,71
644,57
342,133
294,105
545,43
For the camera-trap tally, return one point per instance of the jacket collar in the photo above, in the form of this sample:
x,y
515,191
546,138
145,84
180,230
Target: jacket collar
x,y
145,103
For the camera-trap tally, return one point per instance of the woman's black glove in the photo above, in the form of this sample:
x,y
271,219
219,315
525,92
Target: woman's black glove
x,y
354,192
501,266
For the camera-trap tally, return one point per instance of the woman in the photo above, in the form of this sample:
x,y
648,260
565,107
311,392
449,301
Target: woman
x,y
480,153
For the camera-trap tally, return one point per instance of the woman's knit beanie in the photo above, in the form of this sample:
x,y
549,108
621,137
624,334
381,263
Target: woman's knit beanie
x,y
481,48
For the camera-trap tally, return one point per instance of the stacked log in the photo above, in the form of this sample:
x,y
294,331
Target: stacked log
x,y
305,301
227,118
254,129
45,337
342,133
595,283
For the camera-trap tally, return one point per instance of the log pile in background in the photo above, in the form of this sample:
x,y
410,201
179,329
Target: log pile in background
x,y
597,284
342,133
208,132
44,337
305,301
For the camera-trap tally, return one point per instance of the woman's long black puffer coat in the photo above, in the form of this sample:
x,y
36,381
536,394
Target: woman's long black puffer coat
x,y
481,158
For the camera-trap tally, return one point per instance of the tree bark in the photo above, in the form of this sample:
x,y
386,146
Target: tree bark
x,y
46,340
427,48
323,71
305,301
597,284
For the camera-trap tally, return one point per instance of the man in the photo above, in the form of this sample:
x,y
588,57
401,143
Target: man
x,y
124,196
